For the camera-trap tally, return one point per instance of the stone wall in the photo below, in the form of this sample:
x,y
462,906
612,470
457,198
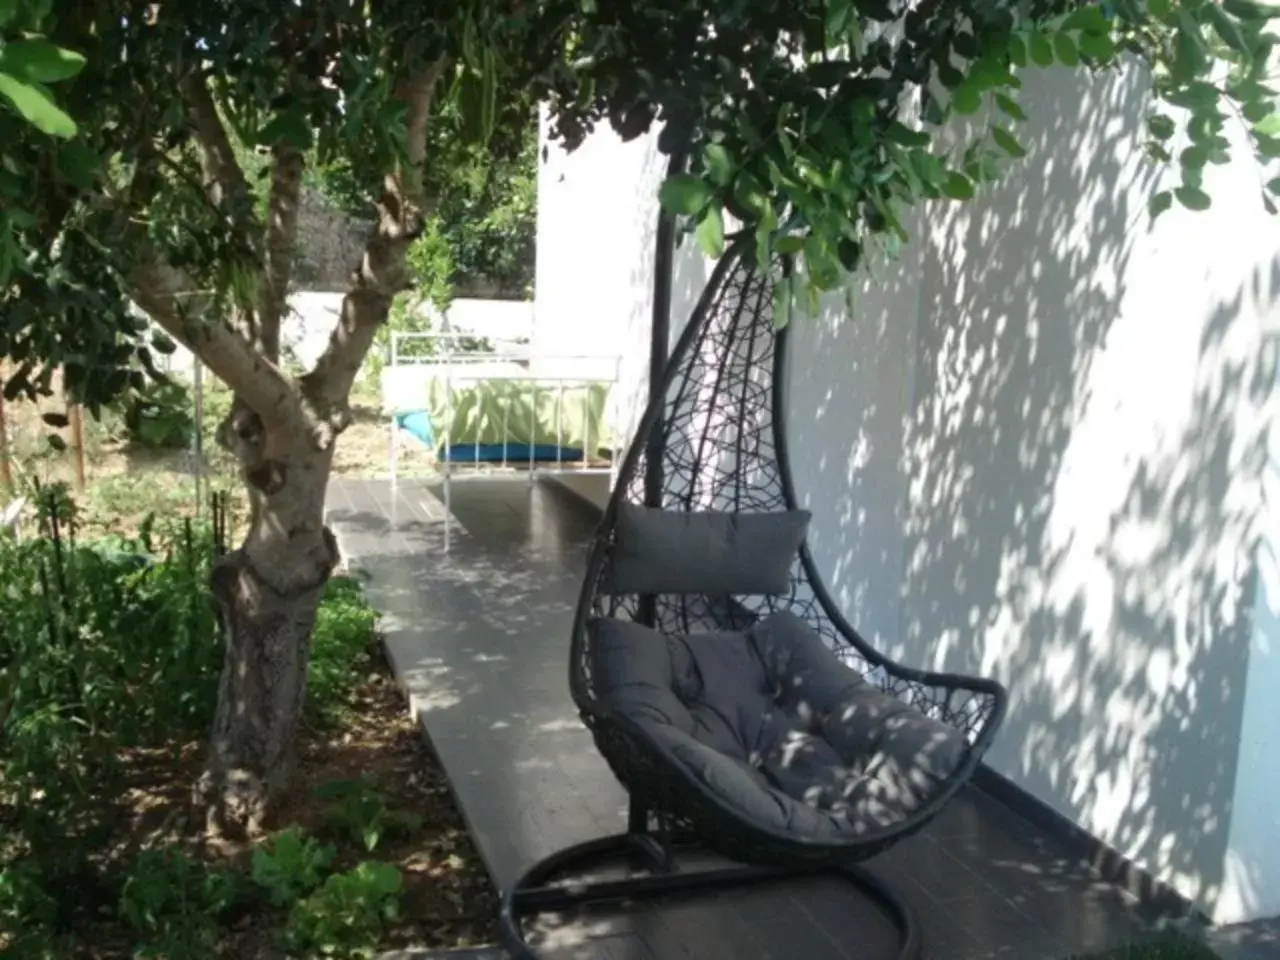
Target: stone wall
x,y
330,243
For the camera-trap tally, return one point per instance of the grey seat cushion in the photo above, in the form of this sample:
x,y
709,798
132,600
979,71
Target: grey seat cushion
x,y
708,552
772,721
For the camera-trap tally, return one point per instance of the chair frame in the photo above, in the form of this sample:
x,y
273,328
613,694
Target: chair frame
x,y
670,810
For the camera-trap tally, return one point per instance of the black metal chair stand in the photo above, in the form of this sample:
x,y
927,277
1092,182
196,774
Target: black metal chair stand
x,y
549,887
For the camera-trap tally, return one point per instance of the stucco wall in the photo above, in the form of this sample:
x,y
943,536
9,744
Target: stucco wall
x,y
1033,447
1082,479
597,213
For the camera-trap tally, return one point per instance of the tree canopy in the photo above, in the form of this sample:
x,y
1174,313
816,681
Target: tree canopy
x,y
812,122
816,124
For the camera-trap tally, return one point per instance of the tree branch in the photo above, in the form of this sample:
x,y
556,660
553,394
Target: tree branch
x,y
227,185
170,299
281,240
419,92
382,273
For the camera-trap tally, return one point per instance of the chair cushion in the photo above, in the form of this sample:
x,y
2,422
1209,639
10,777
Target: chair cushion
x,y
707,552
772,721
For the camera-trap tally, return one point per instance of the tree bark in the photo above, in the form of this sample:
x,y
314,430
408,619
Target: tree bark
x,y
268,592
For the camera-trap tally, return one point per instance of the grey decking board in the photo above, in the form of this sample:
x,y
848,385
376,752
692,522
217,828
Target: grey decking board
x,y
481,636
1259,940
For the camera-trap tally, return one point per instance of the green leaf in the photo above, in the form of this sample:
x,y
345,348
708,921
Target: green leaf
x,y
1018,51
1273,186
37,107
1160,126
1193,198
1194,157
1010,107
1041,49
1257,110
1226,28
57,443
163,343
685,194
1065,50
1195,95
720,165
1007,142
8,10
927,167
957,186
1190,54
966,99
822,268
291,127
1096,47
1159,203
78,164
900,133
710,233
1268,126
39,61
840,16
782,294
1250,10
1090,19
789,245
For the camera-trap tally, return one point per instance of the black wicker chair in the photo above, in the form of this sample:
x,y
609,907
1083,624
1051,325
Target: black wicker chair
x,y
715,439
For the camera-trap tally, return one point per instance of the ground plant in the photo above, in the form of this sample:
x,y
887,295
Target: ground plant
x,y
110,657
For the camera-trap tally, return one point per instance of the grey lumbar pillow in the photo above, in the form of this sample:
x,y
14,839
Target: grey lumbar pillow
x,y
706,552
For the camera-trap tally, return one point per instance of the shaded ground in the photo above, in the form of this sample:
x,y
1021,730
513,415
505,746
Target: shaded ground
x,y
448,900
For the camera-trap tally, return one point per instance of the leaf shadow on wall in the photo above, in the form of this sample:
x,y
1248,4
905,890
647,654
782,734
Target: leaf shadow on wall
x,y
1002,486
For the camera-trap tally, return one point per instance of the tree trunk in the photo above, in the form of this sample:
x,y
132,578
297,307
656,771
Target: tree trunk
x,y
268,592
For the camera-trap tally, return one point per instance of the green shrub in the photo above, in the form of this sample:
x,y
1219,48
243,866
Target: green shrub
x,y
173,902
27,914
161,417
363,812
106,645
290,866
345,918
344,636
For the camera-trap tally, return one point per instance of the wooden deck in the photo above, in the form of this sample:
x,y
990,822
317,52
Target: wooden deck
x,y
479,637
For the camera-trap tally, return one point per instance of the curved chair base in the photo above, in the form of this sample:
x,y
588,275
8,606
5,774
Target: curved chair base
x,y
536,892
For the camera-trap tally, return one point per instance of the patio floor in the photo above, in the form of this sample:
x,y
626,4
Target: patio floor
x,y
479,636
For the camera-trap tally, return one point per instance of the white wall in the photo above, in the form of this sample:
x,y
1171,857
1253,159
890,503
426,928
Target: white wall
x,y
1032,449
1082,499
597,214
